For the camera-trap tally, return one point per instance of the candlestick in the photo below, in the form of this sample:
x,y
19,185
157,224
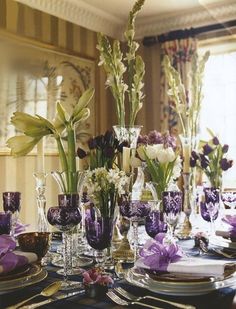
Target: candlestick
x,y
40,157
126,159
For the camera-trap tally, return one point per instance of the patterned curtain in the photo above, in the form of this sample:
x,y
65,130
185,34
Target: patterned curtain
x,y
180,53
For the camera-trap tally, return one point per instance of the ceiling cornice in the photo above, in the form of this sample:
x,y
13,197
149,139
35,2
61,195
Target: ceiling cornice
x,y
201,17
87,16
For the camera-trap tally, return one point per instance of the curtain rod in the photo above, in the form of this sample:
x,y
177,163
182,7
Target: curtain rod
x,y
186,33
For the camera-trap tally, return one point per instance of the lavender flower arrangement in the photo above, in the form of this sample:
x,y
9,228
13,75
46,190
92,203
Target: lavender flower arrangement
x,y
212,160
102,151
157,255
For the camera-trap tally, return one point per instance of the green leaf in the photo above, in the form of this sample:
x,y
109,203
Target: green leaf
x,y
83,102
61,113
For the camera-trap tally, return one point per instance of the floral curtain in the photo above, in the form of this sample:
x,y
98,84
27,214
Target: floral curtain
x,y
180,53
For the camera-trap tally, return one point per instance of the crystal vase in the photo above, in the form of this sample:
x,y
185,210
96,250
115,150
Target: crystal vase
x,y
129,134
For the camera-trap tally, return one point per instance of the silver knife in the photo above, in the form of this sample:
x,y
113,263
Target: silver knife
x,y
50,300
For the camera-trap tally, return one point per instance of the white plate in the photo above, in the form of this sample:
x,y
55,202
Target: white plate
x,y
139,277
219,241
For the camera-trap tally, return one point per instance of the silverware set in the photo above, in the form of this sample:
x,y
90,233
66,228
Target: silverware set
x,y
128,299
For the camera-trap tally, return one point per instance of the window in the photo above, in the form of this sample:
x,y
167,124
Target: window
x,y
219,105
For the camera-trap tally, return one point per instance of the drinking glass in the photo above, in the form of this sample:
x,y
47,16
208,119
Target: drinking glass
x,y
99,234
210,206
172,205
135,211
11,204
154,222
65,219
5,223
229,199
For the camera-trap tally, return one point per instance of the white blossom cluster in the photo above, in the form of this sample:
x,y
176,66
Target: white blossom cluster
x,y
101,180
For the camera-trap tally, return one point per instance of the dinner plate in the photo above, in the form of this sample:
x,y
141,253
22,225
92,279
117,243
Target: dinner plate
x,y
141,278
34,275
224,243
15,273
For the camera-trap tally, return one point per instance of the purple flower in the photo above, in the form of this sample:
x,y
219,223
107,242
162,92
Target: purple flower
x,y
225,148
121,145
226,164
204,161
215,140
207,149
109,137
142,139
169,140
155,137
194,155
92,143
193,162
81,153
109,152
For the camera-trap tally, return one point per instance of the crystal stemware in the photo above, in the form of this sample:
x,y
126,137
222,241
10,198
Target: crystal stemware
x,y
5,223
154,222
99,234
172,205
134,210
210,206
65,219
229,199
11,203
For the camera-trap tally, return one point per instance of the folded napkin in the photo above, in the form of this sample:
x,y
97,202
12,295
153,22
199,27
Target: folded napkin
x,y
231,232
10,258
159,256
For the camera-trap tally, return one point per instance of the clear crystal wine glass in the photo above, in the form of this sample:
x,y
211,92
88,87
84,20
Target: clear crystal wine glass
x,y
229,199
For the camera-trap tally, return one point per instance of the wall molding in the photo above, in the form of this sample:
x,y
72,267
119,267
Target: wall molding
x,y
92,18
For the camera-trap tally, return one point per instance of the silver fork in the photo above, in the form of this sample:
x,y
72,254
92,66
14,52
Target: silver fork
x,y
132,297
222,253
119,301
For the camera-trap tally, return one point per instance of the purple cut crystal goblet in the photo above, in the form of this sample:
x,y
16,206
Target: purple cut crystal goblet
x,y
99,235
65,219
134,210
210,206
155,224
172,205
229,199
11,203
5,223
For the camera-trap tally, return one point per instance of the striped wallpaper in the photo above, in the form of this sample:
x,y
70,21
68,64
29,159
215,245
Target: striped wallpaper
x,y
16,174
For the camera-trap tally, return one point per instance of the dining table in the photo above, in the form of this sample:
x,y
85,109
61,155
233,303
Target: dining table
x,y
218,299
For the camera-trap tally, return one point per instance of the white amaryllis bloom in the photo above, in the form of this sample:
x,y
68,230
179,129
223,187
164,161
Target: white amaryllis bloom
x,y
165,155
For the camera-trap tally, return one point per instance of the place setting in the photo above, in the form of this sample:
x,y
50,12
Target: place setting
x,y
104,203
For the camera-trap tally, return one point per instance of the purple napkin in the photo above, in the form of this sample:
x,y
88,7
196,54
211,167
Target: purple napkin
x,y
20,227
158,255
10,259
231,221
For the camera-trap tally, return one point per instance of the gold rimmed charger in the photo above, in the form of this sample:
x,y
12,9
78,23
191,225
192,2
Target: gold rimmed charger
x,y
34,274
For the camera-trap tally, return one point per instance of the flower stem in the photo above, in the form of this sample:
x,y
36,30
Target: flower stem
x,y
72,184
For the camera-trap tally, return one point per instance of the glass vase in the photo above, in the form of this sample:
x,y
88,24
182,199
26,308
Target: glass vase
x,y
69,182
40,184
129,134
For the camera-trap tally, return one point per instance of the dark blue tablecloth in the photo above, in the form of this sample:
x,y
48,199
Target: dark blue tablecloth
x,y
221,299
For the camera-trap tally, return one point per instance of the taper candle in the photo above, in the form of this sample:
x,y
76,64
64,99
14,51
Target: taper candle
x,y
126,159
40,157
186,156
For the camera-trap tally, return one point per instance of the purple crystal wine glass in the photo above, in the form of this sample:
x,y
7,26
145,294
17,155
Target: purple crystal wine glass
x,y
155,224
11,204
229,199
99,235
5,223
172,205
210,206
65,219
134,210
